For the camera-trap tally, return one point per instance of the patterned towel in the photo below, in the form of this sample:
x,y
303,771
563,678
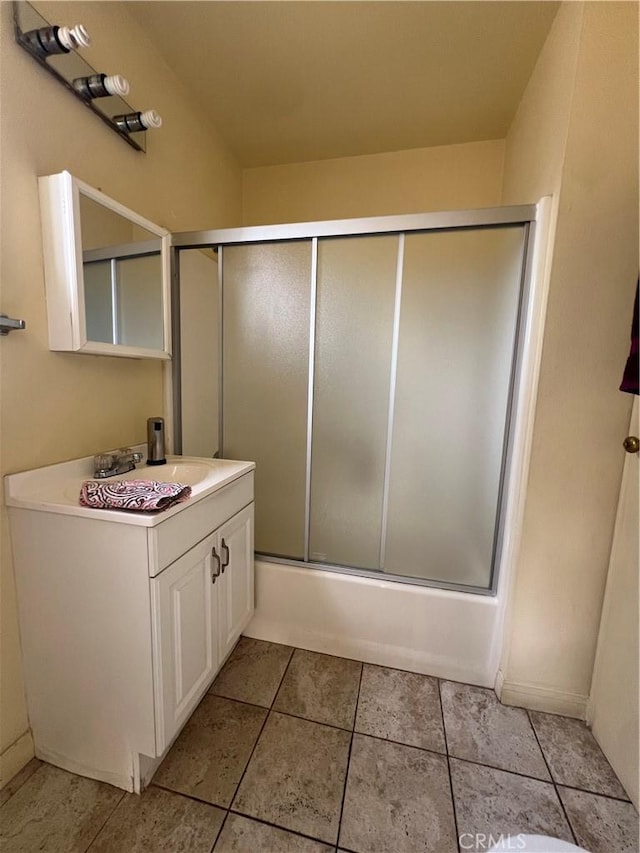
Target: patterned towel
x,y
138,495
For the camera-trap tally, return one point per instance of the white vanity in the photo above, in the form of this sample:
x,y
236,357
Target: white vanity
x,y
125,618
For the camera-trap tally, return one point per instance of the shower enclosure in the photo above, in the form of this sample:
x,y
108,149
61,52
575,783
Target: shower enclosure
x,y
369,367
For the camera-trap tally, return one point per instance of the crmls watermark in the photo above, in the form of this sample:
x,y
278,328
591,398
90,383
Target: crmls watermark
x,y
483,841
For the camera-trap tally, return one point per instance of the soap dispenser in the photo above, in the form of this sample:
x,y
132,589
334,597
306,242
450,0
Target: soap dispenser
x,y
155,442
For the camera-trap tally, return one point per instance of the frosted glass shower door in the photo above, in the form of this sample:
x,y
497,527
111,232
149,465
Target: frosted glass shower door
x,y
458,319
356,285
266,303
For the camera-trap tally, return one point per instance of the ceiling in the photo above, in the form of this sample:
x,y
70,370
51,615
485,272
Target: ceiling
x,y
287,82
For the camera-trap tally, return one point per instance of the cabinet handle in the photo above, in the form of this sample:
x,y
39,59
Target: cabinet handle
x,y
227,556
214,556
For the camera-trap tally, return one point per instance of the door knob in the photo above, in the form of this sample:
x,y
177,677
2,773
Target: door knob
x,y
631,444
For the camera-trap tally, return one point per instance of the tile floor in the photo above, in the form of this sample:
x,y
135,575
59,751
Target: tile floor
x,y
297,752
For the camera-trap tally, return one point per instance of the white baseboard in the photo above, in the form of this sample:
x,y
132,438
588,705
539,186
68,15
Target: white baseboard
x,y
544,699
14,758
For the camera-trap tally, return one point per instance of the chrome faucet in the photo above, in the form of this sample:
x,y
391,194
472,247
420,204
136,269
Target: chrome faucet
x,y
115,462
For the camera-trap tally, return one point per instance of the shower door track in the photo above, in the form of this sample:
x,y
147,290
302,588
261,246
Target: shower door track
x,y
524,215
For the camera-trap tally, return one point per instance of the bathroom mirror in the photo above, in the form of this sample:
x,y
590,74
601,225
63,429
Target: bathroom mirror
x,y
106,271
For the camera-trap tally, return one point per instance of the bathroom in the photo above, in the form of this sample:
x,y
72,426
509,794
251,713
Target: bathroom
x,y
567,139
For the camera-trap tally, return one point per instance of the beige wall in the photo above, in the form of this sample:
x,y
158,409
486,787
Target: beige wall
x,y
579,139
536,142
57,406
448,177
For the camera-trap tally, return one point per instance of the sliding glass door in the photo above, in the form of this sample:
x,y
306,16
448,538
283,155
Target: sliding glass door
x,y
459,309
370,378
265,323
356,286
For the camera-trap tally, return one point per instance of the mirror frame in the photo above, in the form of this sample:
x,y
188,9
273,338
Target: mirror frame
x,y
64,272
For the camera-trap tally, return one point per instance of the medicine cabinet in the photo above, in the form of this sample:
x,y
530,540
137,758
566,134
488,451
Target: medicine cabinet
x,y
106,273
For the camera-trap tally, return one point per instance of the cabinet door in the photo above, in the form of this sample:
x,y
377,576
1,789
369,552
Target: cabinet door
x,y
236,597
186,637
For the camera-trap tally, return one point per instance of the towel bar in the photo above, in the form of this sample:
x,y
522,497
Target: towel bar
x,y
8,324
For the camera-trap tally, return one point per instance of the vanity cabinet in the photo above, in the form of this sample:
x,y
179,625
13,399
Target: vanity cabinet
x,y
201,604
126,618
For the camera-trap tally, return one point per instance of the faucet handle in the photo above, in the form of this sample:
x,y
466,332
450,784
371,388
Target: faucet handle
x,y
103,462
128,453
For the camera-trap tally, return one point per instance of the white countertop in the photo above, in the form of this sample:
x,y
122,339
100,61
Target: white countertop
x,y
56,488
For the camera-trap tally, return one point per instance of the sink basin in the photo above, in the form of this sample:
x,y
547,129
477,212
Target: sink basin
x,y
187,473
57,487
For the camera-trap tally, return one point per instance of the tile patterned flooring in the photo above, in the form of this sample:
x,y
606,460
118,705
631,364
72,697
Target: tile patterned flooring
x,y
297,752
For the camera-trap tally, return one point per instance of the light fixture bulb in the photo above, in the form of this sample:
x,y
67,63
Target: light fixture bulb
x,y
115,84
151,119
74,37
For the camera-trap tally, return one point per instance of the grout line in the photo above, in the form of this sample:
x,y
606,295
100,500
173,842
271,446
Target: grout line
x,y
429,675
355,710
502,769
264,723
401,743
290,714
239,701
195,800
219,832
555,787
346,772
188,796
595,793
280,827
282,678
105,822
446,747
317,722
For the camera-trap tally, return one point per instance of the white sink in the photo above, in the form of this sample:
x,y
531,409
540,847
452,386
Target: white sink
x,y
185,472
197,474
56,488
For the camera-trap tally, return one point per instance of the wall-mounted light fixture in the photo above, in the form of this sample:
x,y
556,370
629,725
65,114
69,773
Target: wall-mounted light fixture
x,y
50,45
